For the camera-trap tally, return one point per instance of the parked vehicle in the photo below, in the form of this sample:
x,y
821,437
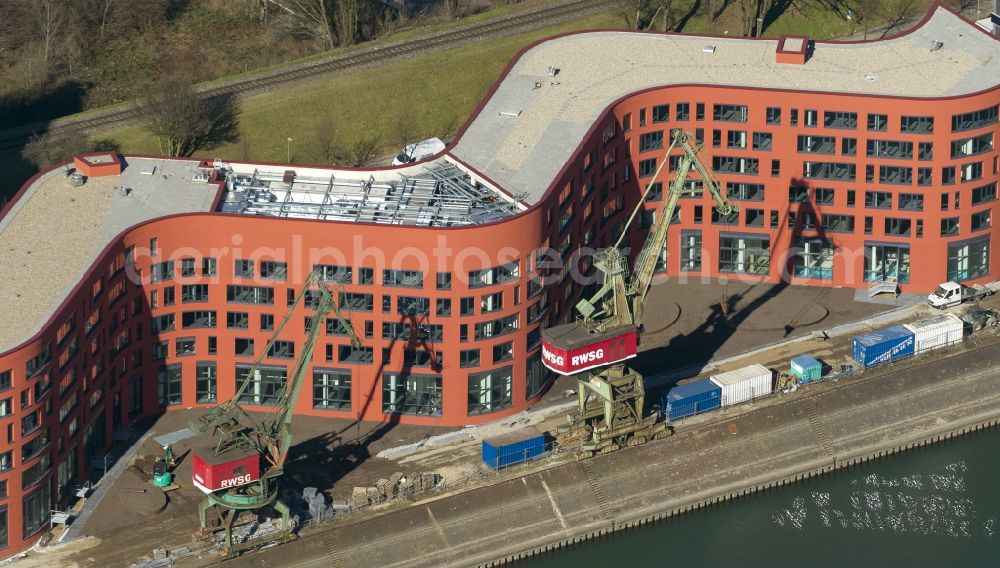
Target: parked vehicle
x,y
419,151
952,294
979,318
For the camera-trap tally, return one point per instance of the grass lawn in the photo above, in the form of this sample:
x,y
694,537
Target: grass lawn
x,y
435,93
431,95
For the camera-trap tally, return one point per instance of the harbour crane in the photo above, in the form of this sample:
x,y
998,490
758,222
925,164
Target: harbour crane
x,y
240,458
607,331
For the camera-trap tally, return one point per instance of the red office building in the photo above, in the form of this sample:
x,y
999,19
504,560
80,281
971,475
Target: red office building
x,y
157,283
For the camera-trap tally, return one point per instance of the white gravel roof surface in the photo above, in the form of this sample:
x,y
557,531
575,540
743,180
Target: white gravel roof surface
x,y
525,134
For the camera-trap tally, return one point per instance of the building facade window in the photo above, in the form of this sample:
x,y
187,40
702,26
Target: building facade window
x,y
168,385
691,251
404,393
968,260
266,386
206,382
749,254
885,262
332,389
813,259
36,510
490,391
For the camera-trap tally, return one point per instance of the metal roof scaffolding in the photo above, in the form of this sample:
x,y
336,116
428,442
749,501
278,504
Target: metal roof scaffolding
x,y
441,196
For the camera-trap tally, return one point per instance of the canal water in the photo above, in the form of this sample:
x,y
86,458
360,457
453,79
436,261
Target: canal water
x,y
933,506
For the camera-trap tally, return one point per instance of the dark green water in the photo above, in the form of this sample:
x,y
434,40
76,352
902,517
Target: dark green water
x,y
935,506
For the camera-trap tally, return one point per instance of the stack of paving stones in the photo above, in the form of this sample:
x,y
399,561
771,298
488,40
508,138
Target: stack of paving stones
x,y
395,486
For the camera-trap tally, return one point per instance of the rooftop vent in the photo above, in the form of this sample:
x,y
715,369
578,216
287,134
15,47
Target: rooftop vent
x,y
936,45
708,49
870,77
792,50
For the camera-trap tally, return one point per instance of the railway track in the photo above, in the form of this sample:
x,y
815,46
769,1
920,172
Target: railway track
x,y
356,60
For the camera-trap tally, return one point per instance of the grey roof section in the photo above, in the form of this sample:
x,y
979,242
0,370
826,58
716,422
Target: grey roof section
x,y
54,232
526,133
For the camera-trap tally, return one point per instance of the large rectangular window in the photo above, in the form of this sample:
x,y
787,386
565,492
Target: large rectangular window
x,y
969,259
266,386
734,165
332,389
198,319
496,275
651,141
37,510
403,278
404,393
333,274
813,259
750,254
249,294
497,327
840,119
745,191
887,263
917,124
972,146
829,170
490,391
984,194
206,382
973,120
895,149
168,385
729,113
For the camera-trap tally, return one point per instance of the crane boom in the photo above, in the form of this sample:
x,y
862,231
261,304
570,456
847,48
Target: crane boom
x,y
607,331
645,264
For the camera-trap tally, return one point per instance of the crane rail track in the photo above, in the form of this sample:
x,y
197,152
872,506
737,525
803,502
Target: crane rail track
x,y
356,60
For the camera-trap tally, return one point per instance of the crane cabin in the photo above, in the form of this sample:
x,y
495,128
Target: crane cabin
x,y
234,468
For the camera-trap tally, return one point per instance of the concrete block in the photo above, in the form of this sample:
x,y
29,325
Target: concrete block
x,y
382,485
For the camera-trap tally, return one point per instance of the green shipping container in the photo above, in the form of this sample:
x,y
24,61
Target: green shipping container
x,y
806,368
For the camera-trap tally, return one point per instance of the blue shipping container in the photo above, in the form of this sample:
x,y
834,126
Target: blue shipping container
x,y
514,448
883,346
691,398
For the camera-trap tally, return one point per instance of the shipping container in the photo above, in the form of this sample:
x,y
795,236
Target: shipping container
x,y
744,384
883,346
691,398
513,448
938,331
806,368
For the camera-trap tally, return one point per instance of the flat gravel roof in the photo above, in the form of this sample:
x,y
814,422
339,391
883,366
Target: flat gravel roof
x,y
54,232
526,133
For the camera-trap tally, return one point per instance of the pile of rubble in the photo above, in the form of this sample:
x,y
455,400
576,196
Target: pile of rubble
x,y
396,486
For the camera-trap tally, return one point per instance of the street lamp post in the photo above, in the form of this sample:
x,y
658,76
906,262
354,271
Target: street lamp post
x,y
289,153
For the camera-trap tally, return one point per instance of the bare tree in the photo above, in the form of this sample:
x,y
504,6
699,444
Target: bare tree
x,y
50,20
962,5
348,19
44,150
363,150
643,14
183,123
898,12
750,12
310,18
326,140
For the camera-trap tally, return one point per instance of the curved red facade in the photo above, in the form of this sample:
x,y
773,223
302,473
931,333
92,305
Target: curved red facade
x,y
450,318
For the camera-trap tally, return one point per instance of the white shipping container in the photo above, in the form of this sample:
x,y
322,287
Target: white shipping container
x,y
743,384
938,331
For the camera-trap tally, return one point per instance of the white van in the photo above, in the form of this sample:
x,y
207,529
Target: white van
x,y
419,151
